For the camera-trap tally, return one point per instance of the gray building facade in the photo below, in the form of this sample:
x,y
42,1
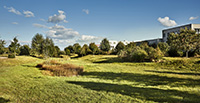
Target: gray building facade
x,y
176,30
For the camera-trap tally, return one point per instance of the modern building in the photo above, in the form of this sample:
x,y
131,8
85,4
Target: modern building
x,y
176,30
150,41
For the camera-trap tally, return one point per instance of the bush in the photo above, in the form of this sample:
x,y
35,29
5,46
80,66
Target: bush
x,y
154,54
11,55
138,55
59,69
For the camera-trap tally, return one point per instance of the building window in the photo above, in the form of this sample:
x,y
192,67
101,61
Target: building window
x,y
197,31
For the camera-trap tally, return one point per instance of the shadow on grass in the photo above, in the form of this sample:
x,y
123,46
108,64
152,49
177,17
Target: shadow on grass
x,y
153,94
3,100
111,60
147,79
170,72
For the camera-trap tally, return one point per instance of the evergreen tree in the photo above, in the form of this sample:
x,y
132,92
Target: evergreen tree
x,y
105,46
120,46
25,50
2,48
14,46
37,45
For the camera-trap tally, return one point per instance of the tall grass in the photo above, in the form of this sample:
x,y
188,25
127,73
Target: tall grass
x,y
59,69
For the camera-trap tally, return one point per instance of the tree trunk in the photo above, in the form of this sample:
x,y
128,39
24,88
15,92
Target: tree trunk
x,y
187,53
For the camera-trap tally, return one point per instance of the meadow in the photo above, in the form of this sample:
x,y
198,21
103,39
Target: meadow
x,y
105,79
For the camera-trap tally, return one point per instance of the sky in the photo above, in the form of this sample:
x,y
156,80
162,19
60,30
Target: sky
x,y
84,21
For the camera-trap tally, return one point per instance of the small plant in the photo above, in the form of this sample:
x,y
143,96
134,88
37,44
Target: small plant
x,y
11,55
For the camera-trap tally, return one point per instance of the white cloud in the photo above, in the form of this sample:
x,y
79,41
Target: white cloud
x,y
15,23
28,14
193,18
57,18
12,10
86,11
60,32
40,25
166,21
88,38
42,20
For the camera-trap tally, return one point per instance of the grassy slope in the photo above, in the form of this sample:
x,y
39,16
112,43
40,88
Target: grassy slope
x,y
103,81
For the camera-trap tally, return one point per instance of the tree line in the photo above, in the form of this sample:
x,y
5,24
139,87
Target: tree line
x,y
186,43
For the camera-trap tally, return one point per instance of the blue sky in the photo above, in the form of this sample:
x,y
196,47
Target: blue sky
x,y
85,21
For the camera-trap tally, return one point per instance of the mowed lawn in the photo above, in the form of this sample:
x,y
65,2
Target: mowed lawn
x,y
105,79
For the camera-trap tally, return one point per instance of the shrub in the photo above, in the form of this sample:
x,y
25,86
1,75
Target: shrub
x,y
11,55
154,54
59,69
138,55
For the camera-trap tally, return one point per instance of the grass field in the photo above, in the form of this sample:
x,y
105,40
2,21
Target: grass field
x,y
105,79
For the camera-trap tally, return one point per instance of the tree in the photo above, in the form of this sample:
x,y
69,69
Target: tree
x,y
25,50
105,46
70,48
49,48
37,44
120,46
14,46
94,48
57,51
186,40
67,51
131,45
85,50
77,48
2,48
164,47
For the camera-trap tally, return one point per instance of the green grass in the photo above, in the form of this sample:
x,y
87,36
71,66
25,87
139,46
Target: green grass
x,y
105,79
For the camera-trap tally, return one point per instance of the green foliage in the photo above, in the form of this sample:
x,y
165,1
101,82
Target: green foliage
x,y
11,55
2,48
67,51
85,50
70,48
77,48
186,40
93,47
105,45
25,50
154,54
37,44
130,45
174,52
120,46
49,48
14,46
164,47
138,55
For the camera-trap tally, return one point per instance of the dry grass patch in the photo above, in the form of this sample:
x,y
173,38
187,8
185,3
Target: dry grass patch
x,y
59,69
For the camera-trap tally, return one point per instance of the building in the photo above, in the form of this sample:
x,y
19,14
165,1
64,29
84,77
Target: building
x,y
150,41
176,30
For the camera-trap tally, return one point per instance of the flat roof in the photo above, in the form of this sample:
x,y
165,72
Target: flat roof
x,y
177,27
